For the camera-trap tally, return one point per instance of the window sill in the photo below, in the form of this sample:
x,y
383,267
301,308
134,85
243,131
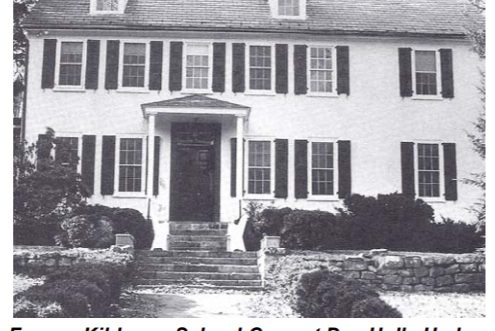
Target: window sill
x,y
260,93
323,198
123,195
427,97
78,89
432,200
190,92
260,197
322,95
132,90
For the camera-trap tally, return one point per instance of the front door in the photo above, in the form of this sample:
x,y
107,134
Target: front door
x,y
194,191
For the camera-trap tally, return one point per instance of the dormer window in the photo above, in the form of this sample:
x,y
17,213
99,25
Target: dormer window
x,y
295,9
107,5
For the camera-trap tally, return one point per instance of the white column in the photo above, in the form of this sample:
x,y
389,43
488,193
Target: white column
x,y
240,153
151,153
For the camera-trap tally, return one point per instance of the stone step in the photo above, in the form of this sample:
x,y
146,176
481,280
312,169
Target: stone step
x,y
190,276
197,254
196,226
197,245
196,238
197,260
204,286
199,282
212,232
184,267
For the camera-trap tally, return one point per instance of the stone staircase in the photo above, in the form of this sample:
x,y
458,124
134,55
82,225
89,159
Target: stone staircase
x,y
198,257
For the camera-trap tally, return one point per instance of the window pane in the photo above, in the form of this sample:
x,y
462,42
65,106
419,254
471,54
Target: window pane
x,y
426,61
260,72
134,65
107,5
428,170
259,167
197,66
70,63
288,7
130,164
322,171
66,152
321,69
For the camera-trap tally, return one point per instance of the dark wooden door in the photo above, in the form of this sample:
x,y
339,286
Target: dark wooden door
x,y
194,190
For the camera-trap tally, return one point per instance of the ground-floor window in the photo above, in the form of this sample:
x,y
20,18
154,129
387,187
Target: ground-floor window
x,y
428,170
131,165
67,151
259,167
322,168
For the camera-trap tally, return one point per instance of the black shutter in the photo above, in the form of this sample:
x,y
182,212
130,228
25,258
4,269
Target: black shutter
x,y
175,71
88,162
447,71
300,69
233,167
405,72
407,162
281,167
345,187
238,67
450,166
156,167
43,149
108,165
92,64
48,71
112,69
156,63
281,68
301,169
218,84
343,77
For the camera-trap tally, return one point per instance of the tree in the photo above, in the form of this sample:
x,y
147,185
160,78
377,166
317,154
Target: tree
x,y
477,34
45,190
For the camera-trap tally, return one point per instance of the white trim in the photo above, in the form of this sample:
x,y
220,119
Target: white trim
x,y
334,71
145,87
117,192
187,43
75,88
441,171
237,112
438,95
247,69
323,197
266,196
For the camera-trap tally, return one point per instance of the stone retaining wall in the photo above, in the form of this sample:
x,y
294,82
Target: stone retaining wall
x,y
384,270
40,260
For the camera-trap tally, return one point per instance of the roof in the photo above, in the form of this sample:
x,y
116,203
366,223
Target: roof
x,y
193,101
363,17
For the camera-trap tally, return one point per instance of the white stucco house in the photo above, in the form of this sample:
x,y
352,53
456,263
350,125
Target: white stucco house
x,y
188,110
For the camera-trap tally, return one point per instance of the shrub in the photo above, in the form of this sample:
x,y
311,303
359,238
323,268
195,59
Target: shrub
x,y
251,235
373,308
271,221
322,294
24,308
123,220
86,231
453,237
83,290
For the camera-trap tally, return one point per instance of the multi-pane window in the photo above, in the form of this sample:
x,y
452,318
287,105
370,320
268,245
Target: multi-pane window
x,y
130,164
321,70
260,68
259,167
134,65
66,152
107,5
197,66
322,168
426,72
71,59
428,170
288,8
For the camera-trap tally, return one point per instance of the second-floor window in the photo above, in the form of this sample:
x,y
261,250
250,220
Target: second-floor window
x,y
288,8
259,167
71,62
426,72
428,170
107,5
321,70
134,65
260,68
197,66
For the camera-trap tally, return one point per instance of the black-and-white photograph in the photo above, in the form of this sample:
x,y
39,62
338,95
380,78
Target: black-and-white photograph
x,y
249,159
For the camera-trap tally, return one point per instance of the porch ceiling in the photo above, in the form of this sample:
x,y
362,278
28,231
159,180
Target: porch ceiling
x,y
195,104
